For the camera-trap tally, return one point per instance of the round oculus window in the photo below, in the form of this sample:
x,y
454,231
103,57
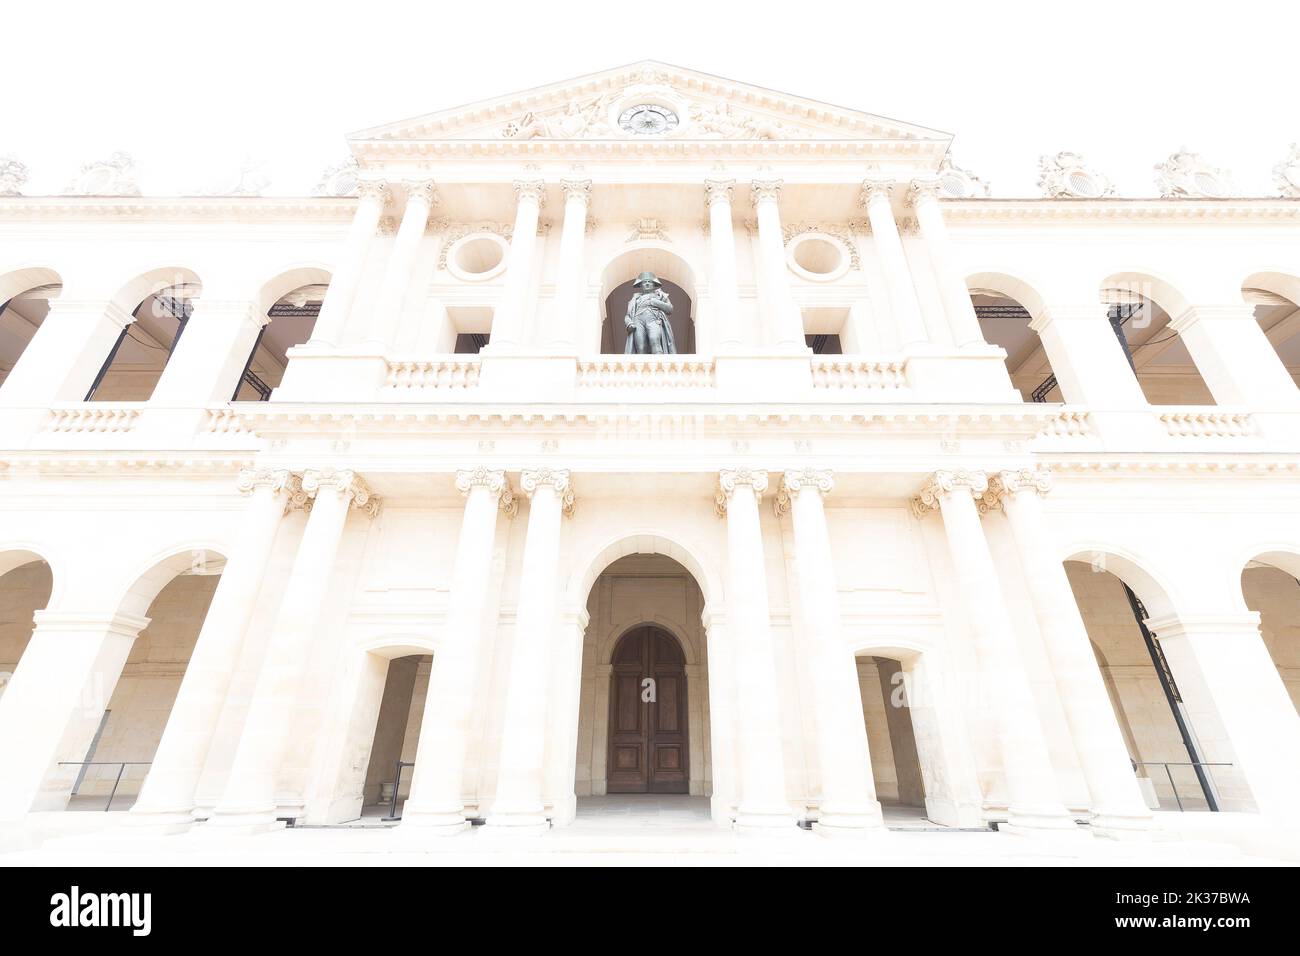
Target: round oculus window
x,y
648,119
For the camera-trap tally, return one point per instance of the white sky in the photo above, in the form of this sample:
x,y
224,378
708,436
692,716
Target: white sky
x,y
189,90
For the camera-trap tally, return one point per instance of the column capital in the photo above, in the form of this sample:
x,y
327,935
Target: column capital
x,y
576,189
796,480
944,484
250,479
765,190
347,483
875,190
422,190
534,189
375,190
719,190
496,483
729,479
1016,481
558,478
922,190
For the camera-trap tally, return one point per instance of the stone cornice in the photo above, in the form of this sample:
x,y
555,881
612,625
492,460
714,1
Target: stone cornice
x,y
1120,210
378,151
166,208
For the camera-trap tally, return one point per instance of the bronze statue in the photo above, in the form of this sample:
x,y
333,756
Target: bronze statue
x,y
648,330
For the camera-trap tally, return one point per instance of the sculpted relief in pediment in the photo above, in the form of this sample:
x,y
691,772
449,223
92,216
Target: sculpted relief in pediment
x,y
651,111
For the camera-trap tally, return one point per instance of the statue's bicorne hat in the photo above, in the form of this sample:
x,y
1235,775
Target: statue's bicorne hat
x,y
648,277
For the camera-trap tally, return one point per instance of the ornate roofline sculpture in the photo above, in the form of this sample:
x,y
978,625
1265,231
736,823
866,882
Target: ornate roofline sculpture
x,y
13,176
1185,175
1067,176
1287,173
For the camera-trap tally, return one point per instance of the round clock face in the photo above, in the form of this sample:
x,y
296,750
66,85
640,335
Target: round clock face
x,y
648,119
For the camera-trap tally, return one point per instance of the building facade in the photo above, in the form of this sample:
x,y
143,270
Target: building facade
x,y
985,507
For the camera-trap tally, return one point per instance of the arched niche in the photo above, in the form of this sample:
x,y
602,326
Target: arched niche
x,y
616,290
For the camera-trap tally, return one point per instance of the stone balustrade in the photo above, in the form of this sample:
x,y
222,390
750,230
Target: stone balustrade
x,y
859,373
1194,422
646,371
455,373
94,418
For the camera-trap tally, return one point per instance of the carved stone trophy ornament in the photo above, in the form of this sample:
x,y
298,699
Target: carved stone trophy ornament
x,y
648,330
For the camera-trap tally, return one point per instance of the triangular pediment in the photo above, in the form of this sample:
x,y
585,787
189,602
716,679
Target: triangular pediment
x,y
694,106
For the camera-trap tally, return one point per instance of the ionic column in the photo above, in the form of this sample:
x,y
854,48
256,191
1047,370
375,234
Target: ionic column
x,y
249,798
372,197
1234,356
1223,668
53,704
784,323
508,331
1117,803
211,355
848,791
569,278
167,796
66,353
723,289
1033,794
763,803
1086,357
898,277
421,196
437,786
923,196
518,802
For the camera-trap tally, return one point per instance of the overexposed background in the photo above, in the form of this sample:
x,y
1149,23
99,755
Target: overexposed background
x,y
189,90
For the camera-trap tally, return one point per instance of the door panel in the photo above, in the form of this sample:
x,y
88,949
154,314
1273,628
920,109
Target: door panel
x,y
648,738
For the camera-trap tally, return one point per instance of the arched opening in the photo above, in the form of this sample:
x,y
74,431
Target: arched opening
x,y
617,287
396,735
1270,585
26,583
107,766
1276,299
645,733
891,736
25,298
1140,308
157,307
291,303
1180,754
1005,306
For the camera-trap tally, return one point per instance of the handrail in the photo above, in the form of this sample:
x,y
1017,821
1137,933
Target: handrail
x,y
397,785
120,764
1176,763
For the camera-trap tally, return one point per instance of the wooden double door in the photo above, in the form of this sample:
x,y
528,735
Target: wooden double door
x,y
647,715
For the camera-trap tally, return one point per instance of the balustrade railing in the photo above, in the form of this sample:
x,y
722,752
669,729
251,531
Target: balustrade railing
x,y
646,371
858,373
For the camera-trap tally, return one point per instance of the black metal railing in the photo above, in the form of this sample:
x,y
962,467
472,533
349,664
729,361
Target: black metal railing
x,y
121,769
397,785
1197,764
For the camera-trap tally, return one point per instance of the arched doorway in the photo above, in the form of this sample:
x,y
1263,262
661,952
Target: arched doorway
x,y
291,303
1181,754
25,299
1275,297
1005,307
616,290
1141,309
1270,586
159,305
649,742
